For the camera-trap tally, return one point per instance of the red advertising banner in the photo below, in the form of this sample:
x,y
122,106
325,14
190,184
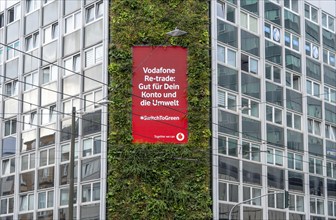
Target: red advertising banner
x,y
159,101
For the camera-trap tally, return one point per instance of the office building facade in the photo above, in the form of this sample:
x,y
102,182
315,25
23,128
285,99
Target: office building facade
x,y
274,109
53,56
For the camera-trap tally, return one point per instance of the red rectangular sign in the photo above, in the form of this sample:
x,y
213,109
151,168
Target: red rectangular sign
x,y
159,101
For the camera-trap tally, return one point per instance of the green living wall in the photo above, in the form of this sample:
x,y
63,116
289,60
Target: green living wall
x,y
158,181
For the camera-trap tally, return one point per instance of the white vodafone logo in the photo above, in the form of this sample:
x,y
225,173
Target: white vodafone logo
x,y
180,136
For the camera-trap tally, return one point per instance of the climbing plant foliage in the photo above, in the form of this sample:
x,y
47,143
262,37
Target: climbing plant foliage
x,y
158,181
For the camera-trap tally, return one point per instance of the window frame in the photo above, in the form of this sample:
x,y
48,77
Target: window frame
x,y
271,77
30,198
29,120
252,152
331,173
311,89
291,75
291,43
318,169
32,5
274,114
31,83
293,124
11,50
74,27
50,33
249,109
314,127
315,201
47,195
227,60
328,18
273,33
49,161
297,161
91,191
49,111
310,16
312,50
93,103
249,26
329,94
52,74
252,189
91,149
295,207
31,162
95,60
227,140
271,154
12,131
224,102
16,10
75,63
330,58
32,41
96,15
8,201
290,6
7,171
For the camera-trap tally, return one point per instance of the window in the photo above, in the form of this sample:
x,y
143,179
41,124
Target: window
x,y
227,146
92,99
47,157
13,13
292,21
1,55
64,196
276,200
226,56
330,132
93,56
250,43
11,88
8,166
293,81
48,114
65,152
329,57
30,81
249,107
315,166
313,88
273,73
311,13
67,106
316,206
91,146
26,202
293,60
249,64
272,32
328,22
295,161
329,94
28,161
93,12
7,206
273,12
331,169
50,33
293,120
273,52
46,199
312,50
249,22
2,20
251,151
274,157
10,127
332,208
73,22
296,203
72,64
292,41
12,50
251,192
32,41
314,127
91,192
250,5
49,74
228,192
273,114
226,12
29,120
292,4
32,5
227,100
